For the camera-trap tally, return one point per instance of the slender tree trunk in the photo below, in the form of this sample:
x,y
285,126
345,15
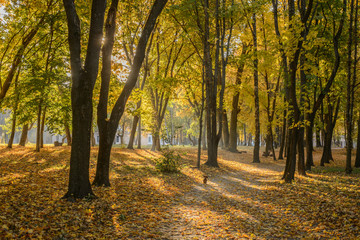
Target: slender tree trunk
x,y
13,125
42,127
350,89
13,130
309,145
68,134
256,156
204,137
225,128
108,128
245,135
283,137
201,120
139,134
133,132
357,159
38,128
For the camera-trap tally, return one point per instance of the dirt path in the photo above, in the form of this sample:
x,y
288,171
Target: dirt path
x,y
215,210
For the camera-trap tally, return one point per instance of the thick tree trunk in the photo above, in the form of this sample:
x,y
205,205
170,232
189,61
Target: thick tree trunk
x,y
23,136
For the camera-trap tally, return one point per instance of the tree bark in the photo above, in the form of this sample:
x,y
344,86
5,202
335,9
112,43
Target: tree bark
x,y
107,128
68,134
38,127
23,136
133,132
13,125
42,129
256,156
350,94
330,119
357,159
225,128
139,134
235,106
83,81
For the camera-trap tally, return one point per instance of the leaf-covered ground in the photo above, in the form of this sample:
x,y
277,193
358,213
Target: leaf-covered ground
x,y
241,200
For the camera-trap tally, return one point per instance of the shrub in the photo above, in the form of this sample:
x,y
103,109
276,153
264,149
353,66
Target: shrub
x,y
169,163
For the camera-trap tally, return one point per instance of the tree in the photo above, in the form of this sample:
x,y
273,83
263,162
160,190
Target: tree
x,y
108,130
83,81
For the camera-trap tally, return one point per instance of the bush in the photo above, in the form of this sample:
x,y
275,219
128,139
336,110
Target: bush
x,y
169,163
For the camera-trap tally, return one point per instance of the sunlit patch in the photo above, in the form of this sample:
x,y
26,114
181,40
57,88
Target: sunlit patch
x,y
52,169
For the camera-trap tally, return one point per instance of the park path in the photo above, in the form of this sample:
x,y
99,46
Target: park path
x,y
229,206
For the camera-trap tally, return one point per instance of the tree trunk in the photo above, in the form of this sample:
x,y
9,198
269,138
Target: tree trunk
x,y
235,106
350,90
13,130
133,132
83,82
139,134
283,137
330,125
42,128
68,134
23,136
309,145
301,154
108,128
225,128
204,137
38,128
13,125
256,156
317,134
357,159
211,87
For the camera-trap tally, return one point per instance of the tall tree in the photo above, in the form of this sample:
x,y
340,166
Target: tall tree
x,y
83,81
256,155
108,130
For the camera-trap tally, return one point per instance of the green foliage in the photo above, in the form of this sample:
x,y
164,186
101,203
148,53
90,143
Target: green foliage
x,y
169,163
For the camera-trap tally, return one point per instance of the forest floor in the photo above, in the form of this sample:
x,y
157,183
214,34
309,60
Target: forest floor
x,y
241,200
